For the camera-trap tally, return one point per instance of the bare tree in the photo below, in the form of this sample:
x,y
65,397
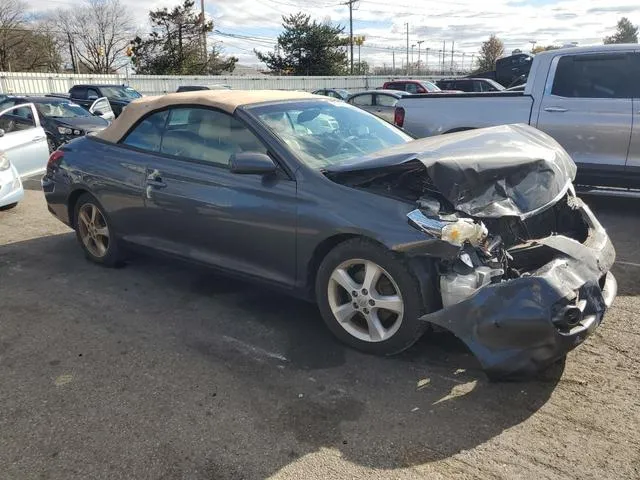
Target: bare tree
x,y
12,30
26,45
100,31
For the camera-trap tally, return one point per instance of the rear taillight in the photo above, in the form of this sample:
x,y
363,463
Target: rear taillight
x,y
55,158
398,116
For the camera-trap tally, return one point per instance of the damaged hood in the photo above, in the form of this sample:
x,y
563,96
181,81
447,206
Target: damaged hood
x,y
509,170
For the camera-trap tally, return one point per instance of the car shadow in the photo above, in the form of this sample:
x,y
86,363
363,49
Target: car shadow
x,y
301,390
620,217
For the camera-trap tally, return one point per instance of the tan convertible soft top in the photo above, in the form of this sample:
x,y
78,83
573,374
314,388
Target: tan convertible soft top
x,y
227,100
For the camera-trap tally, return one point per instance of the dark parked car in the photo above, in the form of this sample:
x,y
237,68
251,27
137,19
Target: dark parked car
x,y
61,119
471,85
387,234
338,93
119,95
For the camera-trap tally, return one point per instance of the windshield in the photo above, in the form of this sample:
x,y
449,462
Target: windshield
x,y
126,93
323,133
61,110
431,87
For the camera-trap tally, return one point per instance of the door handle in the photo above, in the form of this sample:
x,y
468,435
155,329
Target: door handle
x,y
154,179
37,138
556,109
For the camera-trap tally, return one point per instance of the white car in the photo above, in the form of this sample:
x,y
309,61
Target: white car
x,y
23,151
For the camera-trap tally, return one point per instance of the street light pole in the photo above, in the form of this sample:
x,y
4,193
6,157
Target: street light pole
x,y
419,42
412,47
407,25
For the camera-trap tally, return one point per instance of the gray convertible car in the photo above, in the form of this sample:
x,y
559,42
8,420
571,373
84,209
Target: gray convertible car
x,y
479,232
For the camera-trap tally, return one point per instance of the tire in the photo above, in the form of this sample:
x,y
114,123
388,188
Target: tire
x,y
96,236
361,331
51,143
8,207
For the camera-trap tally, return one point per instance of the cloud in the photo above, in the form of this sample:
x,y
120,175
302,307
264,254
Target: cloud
x,y
466,22
620,9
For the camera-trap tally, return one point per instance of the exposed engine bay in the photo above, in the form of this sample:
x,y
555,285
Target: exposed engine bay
x,y
495,250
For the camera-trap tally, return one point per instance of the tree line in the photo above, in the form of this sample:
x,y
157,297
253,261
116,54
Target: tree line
x,y
98,36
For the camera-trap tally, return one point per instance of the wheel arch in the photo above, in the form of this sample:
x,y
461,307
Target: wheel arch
x,y
72,200
321,250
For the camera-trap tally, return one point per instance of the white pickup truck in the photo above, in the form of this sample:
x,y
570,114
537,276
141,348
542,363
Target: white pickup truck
x,y
587,98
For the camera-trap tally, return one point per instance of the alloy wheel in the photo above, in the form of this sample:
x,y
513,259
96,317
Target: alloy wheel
x,y
365,300
93,230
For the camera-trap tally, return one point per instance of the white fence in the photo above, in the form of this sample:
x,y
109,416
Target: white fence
x,y
43,83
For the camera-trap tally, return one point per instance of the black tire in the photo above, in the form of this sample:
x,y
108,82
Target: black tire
x,y
410,329
8,207
113,257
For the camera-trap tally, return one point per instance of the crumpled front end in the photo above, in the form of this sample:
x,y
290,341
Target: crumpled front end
x,y
541,299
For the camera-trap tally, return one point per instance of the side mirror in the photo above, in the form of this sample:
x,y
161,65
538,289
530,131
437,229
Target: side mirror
x,y
98,113
1,132
251,163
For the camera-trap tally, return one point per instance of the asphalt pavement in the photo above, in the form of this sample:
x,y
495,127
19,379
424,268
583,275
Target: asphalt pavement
x,y
162,370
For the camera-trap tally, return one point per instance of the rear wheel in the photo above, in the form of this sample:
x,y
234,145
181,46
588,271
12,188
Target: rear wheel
x,y
369,298
94,232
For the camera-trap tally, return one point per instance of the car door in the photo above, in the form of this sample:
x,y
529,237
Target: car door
x,y
632,168
102,108
587,107
23,140
385,106
364,101
197,208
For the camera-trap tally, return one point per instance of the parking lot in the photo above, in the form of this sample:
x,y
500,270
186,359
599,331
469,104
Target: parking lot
x,y
168,371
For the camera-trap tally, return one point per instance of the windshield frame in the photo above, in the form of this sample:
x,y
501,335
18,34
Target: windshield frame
x,y
254,111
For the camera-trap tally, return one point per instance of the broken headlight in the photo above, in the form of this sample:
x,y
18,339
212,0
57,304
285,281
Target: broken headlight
x,y
457,231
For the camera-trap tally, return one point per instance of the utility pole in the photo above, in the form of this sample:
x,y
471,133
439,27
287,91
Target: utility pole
x,y
350,4
452,44
204,34
394,61
73,58
407,25
444,52
419,42
359,40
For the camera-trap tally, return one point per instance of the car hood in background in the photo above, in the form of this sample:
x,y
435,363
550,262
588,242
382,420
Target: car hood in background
x,y
88,124
509,170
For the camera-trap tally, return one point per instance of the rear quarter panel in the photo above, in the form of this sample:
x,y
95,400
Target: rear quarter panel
x,y
430,115
114,175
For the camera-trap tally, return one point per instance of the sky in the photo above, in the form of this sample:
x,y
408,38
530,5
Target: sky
x,y
463,24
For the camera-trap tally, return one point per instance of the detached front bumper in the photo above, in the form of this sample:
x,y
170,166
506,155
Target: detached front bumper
x,y
517,327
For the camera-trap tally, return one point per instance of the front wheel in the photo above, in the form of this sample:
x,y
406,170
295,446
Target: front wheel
x,y
369,298
94,232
